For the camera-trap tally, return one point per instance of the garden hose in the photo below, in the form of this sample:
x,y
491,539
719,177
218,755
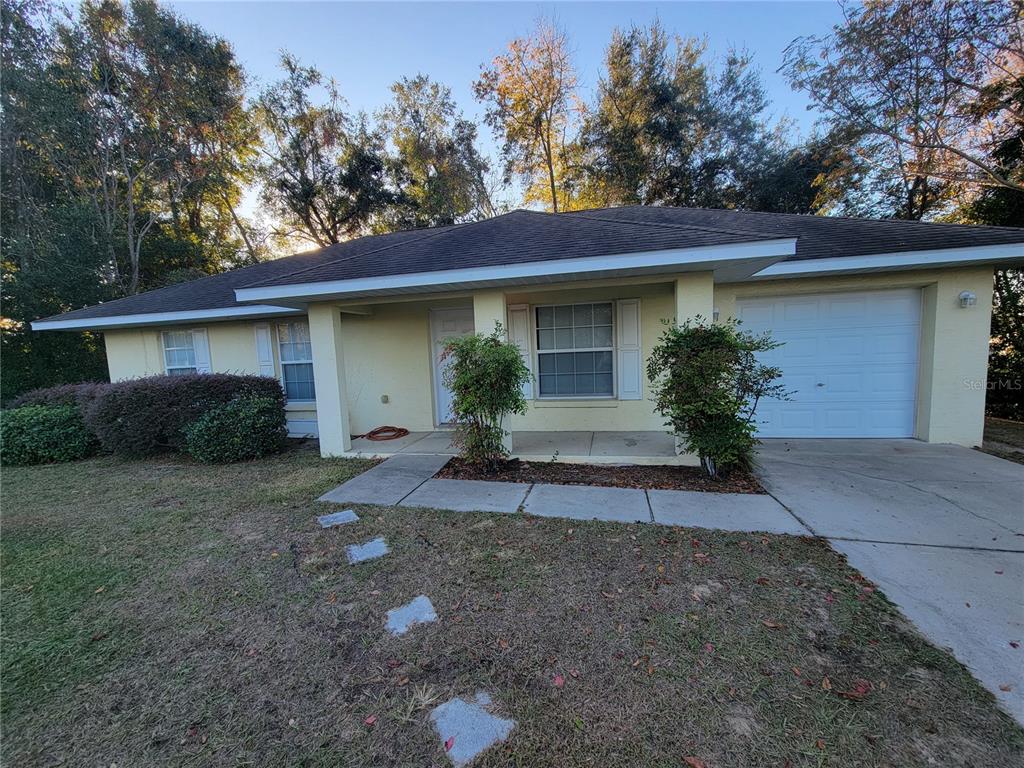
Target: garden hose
x,y
384,433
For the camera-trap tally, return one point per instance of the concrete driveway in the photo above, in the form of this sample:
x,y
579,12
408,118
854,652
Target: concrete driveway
x,y
939,528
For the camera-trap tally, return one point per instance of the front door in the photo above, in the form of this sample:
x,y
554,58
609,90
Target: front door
x,y
446,324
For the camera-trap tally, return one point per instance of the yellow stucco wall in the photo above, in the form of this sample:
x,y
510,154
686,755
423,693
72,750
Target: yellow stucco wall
x,y
136,352
388,352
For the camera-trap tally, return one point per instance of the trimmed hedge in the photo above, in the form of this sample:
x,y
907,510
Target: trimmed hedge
x,y
79,395
43,434
246,428
147,416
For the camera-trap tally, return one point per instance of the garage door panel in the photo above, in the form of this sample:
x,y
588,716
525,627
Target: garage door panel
x,y
849,361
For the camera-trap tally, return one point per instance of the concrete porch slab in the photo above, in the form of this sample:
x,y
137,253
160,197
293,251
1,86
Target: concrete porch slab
x,y
633,444
545,444
434,442
723,511
587,502
389,482
362,445
468,495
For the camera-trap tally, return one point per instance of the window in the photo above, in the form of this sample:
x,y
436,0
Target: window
x,y
296,360
179,352
574,350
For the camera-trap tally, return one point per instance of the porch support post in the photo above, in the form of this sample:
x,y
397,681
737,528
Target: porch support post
x,y
488,309
329,379
695,296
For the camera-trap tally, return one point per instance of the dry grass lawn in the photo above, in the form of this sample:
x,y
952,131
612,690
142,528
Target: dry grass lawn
x,y
162,613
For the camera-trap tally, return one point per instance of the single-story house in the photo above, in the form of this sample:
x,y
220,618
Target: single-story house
x,y
884,324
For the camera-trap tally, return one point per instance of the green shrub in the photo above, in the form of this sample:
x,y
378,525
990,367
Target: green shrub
x,y
146,416
246,428
707,383
43,434
486,377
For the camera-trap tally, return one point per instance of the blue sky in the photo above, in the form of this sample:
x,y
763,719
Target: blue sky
x,y
367,46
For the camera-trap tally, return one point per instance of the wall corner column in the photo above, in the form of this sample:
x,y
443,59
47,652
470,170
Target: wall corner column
x,y
695,296
329,379
488,309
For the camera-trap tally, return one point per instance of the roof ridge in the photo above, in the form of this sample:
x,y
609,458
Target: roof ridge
x,y
581,215
827,217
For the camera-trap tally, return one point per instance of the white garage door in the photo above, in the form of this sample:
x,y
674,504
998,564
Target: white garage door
x,y
849,359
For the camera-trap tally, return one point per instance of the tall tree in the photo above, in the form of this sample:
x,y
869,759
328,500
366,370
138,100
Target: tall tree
x,y
529,92
671,127
443,176
325,174
123,139
905,79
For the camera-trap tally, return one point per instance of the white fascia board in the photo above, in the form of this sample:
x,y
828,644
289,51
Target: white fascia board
x,y
712,256
880,262
163,318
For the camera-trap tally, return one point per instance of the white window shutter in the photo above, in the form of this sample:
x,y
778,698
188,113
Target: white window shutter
x,y
202,347
630,362
264,349
519,334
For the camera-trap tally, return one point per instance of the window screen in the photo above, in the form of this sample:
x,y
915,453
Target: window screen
x,y
574,350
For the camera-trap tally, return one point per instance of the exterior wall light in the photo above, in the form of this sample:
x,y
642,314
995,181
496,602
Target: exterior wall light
x,y
967,299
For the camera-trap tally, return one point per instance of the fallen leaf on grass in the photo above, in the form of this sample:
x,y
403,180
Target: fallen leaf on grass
x,y
449,744
860,689
771,624
694,762
826,684
98,590
820,743
370,720
559,681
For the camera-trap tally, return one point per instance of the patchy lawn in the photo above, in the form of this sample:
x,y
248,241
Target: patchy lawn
x,y
610,475
161,613
1004,438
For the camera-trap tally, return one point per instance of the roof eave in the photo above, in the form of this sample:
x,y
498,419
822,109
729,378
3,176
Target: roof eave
x,y
1011,253
144,319
733,261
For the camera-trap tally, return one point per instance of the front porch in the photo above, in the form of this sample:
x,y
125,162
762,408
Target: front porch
x,y
590,447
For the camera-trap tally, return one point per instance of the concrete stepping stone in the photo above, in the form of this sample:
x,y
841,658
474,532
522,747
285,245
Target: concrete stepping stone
x,y
419,611
338,518
371,550
467,728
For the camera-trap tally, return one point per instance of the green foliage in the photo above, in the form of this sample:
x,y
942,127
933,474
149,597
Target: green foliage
x,y
670,127
43,434
707,383
239,430
147,416
486,375
327,175
442,173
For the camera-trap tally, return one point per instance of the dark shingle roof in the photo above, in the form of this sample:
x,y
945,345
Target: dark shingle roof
x,y
218,291
823,236
523,237
520,237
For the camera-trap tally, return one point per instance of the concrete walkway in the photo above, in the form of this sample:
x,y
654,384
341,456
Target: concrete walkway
x,y
640,447
408,480
939,528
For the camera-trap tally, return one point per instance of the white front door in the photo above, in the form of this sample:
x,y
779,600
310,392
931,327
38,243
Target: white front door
x,y
849,359
446,324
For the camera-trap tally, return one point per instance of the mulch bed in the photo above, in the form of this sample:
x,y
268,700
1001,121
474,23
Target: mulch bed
x,y
671,478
